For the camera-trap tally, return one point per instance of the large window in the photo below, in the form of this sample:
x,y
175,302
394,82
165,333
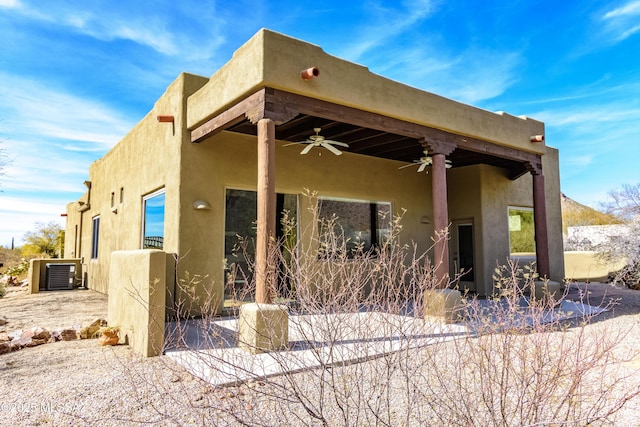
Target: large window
x,y
241,212
363,225
95,233
153,220
521,230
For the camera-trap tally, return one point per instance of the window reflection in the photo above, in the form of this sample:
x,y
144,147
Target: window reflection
x,y
521,230
241,211
153,221
95,233
363,225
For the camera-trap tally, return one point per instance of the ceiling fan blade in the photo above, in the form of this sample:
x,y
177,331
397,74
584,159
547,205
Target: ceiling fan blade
x,y
292,143
341,144
407,166
306,149
331,148
422,167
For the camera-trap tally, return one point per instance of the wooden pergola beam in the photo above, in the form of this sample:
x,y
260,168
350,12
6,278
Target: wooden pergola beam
x,y
281,106
233,115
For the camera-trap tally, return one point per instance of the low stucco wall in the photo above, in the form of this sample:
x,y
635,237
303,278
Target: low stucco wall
x,y
137,286
580,266
585,266
38,272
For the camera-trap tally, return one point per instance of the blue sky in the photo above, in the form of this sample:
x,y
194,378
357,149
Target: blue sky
x,y
76,75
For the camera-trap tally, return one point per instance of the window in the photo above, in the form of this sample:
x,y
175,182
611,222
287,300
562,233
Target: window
x,y
521,230
241,211
121,195
95,233
364,225
153,220
113,199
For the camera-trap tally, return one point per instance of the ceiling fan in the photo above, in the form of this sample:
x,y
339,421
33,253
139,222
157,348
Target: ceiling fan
x,y
425,161
318,140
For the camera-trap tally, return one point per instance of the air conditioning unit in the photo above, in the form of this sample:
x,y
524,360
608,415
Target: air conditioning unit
x,y
60,276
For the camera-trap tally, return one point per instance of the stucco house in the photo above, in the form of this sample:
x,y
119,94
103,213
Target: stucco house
x,y
212,150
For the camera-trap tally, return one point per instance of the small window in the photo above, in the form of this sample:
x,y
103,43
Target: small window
x,y
121,195
95,234
153,220
521,231
364,225
113,199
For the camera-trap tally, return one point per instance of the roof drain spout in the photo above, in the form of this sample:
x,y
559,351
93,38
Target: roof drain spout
x,y
310,73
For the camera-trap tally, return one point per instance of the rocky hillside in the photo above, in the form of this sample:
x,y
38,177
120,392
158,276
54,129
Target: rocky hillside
x,y
574,213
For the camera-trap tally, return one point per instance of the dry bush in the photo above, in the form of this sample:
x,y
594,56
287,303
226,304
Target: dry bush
x,y
508,363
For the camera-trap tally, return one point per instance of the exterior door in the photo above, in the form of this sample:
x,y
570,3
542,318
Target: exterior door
x,y
462,259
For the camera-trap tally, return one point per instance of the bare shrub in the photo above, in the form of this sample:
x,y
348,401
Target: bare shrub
x,y
361,352
524,365
624,203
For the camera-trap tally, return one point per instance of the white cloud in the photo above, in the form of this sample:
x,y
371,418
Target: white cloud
x,y
632,8
593,116
9,3
33,109
19,215
579,160
149,33
434,70
193,32
395,42
622,22
386,23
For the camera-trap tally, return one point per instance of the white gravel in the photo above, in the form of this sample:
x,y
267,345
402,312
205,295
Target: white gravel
x,y
81,383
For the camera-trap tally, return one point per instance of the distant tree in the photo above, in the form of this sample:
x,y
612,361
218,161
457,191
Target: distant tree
x,y
624,203
46,239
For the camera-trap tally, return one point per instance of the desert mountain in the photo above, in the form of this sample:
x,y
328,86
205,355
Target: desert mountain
x,y
574,213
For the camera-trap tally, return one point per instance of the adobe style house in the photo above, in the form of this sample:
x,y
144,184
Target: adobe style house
x,y
216,153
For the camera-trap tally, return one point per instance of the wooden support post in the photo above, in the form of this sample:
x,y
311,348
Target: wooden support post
x,y
266,209
440,219
540,222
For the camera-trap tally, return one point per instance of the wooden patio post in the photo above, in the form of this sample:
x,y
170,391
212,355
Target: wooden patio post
x,y
540,223
440,219
266,209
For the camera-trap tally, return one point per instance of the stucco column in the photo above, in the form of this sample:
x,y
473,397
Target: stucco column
x,y
440,219
266,209
540,223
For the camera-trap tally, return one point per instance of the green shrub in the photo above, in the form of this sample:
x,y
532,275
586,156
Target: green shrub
x,y
19,270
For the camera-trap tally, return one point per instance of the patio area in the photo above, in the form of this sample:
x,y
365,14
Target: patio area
x,y
209,348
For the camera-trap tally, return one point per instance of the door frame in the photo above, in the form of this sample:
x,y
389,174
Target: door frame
x,y
454,254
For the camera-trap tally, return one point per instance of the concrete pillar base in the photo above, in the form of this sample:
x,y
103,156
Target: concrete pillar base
x,y
263,327
547,292
443,303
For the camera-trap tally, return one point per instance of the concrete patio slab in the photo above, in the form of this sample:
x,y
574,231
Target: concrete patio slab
x,y
209,349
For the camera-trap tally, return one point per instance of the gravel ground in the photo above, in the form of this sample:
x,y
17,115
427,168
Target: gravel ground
x,y
81,383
